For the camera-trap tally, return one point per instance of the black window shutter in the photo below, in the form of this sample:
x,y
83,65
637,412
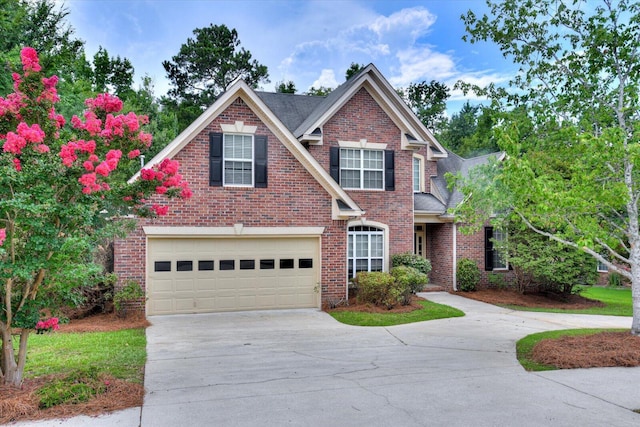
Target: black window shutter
x,y
334,163
260,166
389,171
488,249
215,159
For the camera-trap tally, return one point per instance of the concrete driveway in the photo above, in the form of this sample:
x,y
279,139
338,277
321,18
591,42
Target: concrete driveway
x,y
302,368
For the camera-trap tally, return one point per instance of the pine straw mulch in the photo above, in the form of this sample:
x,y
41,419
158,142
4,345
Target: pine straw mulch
x,y
22,404
370,308
605,349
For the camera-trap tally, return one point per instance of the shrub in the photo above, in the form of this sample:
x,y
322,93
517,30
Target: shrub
x,y
497,280
468,275
131,292
421,264
614,280
378,288
410,279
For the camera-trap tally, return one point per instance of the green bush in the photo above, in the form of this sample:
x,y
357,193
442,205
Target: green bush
x,y
468,275
129,293
614,280
410,278
421,264
378,288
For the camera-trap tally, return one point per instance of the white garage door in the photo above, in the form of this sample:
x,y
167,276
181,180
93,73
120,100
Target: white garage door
x,y
197,275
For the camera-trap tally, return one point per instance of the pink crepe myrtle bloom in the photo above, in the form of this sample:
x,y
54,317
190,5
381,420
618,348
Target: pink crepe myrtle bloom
x,y
103,169
29,58
106,102
145,138
147,174
17,165
133,153
3,235
42,148
31,133
161,189
14,143
160,210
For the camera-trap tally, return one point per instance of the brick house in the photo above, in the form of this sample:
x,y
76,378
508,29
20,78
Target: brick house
x,y
294,194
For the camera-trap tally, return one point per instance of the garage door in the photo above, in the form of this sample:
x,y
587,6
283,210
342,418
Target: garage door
x,y
197,275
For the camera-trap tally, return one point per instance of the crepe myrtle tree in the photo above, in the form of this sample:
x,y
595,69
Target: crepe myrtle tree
x,y
571,171
61,185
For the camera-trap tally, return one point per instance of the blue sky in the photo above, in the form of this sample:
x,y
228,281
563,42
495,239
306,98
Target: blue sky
x,y
309,42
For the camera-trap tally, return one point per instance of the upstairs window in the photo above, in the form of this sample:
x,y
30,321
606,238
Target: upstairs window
x,y
238,160
418,174
362,169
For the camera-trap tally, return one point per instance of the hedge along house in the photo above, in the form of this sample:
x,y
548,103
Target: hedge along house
x,y
292,196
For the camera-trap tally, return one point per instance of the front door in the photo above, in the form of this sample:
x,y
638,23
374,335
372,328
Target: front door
x,y
419,240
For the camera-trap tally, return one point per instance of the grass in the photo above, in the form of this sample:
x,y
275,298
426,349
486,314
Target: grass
x,y
617,302
524,347
120,354
430,311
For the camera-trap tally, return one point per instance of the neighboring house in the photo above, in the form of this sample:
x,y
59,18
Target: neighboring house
x,y
292,196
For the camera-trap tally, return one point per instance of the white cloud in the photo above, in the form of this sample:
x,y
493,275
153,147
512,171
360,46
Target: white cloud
x,y
417,64
414,22
327,79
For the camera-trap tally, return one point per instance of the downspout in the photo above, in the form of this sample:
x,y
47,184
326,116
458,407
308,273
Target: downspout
x,y
455,255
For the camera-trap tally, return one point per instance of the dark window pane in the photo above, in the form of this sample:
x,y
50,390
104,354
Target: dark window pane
x,y
227,264
184,266
247,264
205,265
162,266
305,263
286,263
267,264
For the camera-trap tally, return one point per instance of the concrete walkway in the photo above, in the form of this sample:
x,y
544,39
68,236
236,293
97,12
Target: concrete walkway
x,y
302,368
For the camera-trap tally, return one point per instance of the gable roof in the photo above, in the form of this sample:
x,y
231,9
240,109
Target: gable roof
x,y
453,164
305,115
342,207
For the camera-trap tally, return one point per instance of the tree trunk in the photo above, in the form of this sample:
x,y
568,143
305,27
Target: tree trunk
x,y
635,297
11,372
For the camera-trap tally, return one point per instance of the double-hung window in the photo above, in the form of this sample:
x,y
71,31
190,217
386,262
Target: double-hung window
x,y
365,250
418,173
362,169
237,160
494,258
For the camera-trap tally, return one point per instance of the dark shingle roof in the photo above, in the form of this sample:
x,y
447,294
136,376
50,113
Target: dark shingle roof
x,y
453,164
291,109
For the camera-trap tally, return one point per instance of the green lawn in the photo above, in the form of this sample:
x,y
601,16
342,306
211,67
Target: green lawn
x,y
524,347
617,302
430,311
120,354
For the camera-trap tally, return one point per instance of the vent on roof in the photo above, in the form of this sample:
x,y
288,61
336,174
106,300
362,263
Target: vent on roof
x,y
410,142
313,138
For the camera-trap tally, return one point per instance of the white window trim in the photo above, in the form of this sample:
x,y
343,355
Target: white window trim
x,y
225,159
601,267
385,240
420,158
362,144
496,252
362,169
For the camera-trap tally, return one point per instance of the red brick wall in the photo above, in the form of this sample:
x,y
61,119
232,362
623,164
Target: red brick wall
x,y
293,199
363,118
439,250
